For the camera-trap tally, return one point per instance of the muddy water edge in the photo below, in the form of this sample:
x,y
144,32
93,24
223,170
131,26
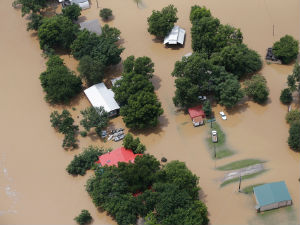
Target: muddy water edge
x,y
35,189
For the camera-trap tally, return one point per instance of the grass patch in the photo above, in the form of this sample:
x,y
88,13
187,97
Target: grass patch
x,y
224,153
249,189
243,178
221,136
240,164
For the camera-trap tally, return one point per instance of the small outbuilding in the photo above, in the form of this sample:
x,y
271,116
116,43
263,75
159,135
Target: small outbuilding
x,y
92,26
197,115
99,95
271,196
118,155
176,36
84,4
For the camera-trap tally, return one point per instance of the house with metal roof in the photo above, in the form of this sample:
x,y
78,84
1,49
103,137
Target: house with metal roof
x,y
176,36
99,95
84,4
271,196
92,26
197,115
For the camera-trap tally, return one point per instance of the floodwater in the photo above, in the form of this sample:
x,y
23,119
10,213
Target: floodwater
x,y
34,186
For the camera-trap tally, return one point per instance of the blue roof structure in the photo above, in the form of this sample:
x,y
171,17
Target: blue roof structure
x,y
270,193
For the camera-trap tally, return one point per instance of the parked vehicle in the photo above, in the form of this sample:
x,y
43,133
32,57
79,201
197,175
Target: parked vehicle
x,y
103,134
202,97
214,136
224,117
119,138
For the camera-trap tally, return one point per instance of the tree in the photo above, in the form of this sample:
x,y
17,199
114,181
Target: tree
x,y
105,13
36,21
111,33
94,117
294,137
292,116
141,65
91,70
291,82
57,32
133,144
72,12
84,217
207,108
230,92
238,59
257,89
160,23
142,110
64,124
198,13
28,6
286,96
59,83
296,72
286,49
84,161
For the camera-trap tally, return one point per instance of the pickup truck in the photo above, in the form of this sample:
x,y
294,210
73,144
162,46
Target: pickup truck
x,y
214,136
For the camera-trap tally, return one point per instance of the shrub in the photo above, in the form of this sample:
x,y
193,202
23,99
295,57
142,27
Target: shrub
x,y
207,108
286,49
133,144
105,13
83,133
257,89
292,116
84,161
83,218
36,21
294,137
286,96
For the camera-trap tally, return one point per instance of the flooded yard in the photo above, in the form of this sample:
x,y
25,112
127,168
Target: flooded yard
x,y
36,189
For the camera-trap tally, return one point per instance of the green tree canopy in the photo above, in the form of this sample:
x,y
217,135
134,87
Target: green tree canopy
x,y
36,21
28,6
286,96
207,108
91,70
142,110
197,13
294,137
84,217
95,117
257,89
238,59
292,82
160,23
292,116
105,13
59,83
141,65
57,32
133,144
111,33
72,12
286,49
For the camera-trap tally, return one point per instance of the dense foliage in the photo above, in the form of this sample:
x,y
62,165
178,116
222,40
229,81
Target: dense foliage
x,y
238,59
57,32
257,89
133,144
167,195
84,161
59,83
36,21
84,217
64,123
140,107
286,96
197,76
95,117
105,13
28,6
102,48
160,23
294,137
286,49
91,70
72,12
293,116
207,108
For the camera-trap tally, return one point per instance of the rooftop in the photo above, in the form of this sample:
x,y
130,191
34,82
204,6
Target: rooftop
x,y
196,111
176,36
92,26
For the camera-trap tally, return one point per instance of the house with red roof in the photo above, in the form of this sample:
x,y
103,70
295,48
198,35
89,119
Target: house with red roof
x,y
118,155
197,115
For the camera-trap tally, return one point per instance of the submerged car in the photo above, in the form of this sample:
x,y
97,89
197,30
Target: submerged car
x,y
223,115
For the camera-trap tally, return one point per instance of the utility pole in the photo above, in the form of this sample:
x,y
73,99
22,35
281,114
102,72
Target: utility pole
x,y
240,183
273,30
98,6
215,150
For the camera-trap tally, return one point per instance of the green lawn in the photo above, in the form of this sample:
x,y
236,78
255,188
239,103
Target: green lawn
x,y
243,178
240,164
249,189
223,153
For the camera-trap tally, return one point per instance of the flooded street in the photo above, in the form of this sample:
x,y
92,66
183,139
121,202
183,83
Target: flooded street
x,y
36,189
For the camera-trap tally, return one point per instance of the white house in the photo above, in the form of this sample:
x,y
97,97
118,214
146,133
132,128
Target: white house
x,y
92,26
176,36
84,4
100,95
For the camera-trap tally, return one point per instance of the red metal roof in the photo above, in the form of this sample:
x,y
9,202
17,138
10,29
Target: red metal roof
x,y
118,155
196,111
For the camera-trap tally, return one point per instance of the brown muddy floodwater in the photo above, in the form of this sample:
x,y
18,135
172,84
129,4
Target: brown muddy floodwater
x,y
34,186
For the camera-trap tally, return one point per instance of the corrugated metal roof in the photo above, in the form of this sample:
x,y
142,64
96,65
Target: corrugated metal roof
x,y
196,111
176,36
271,193
92,26
100,95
